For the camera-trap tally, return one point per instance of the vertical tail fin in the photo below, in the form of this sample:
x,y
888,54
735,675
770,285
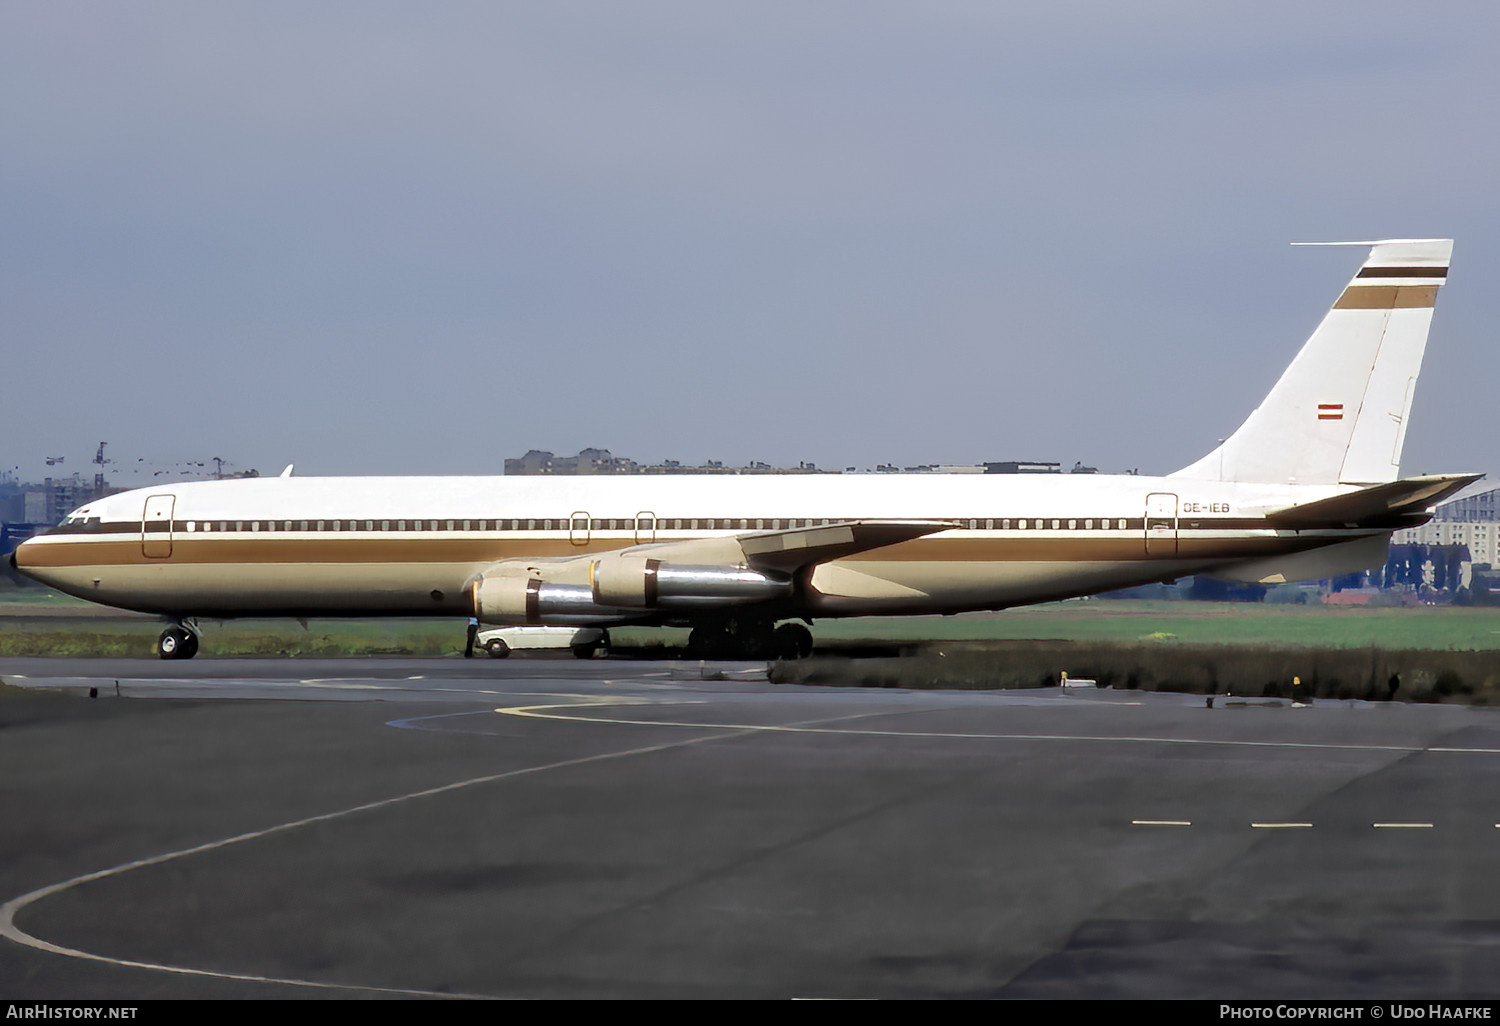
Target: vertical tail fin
x,y
1338,415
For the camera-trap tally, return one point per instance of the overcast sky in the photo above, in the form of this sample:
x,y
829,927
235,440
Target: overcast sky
x,y
419,238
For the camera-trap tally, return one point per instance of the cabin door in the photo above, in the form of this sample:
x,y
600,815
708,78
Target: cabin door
x,y
645,527
156,527
578,528
1161,524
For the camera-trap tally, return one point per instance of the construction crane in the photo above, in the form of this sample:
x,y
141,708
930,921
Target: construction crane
x,y
100,462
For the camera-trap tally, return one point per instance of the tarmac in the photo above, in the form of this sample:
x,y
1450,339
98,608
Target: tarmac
x,y
550,828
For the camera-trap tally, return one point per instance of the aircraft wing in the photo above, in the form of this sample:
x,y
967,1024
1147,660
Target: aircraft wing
x,y
794,549
1395,504
695,574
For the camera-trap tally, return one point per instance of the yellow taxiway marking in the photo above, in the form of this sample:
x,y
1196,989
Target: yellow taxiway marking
x,y
1402,826
1280,826
1161,822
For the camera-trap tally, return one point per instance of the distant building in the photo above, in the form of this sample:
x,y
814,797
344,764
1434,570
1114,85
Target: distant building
x,y
1481,538
54,498
1023,467
1463,534
588,461
539,462
602,461
1481,508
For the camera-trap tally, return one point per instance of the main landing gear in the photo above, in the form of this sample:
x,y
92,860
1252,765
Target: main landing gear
x,y
750,639
177,642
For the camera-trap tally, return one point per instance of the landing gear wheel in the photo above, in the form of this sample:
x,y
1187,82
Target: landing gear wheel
x,y
177,643
793,641
585,651
746,639
497,648
708,643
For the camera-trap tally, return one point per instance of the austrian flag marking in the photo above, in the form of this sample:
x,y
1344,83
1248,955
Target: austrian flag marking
x,y
1330,411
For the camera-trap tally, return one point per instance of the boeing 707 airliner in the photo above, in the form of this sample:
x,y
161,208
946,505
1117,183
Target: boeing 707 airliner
x,y
1308,487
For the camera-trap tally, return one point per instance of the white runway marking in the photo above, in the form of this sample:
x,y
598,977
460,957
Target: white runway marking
x,y
10,909
576,711
542,712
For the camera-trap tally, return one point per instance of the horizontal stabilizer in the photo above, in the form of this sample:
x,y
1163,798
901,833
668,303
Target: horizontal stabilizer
x,y
1394,504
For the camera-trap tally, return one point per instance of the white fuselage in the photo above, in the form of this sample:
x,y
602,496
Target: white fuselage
x,y
412,546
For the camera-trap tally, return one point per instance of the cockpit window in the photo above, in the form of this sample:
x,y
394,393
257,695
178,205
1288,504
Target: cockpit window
x,y
77,522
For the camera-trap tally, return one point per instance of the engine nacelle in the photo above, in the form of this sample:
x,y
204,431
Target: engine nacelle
x,y
612,588
513,597
638,582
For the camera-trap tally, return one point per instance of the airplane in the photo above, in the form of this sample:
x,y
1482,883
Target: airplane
x,y
1307,487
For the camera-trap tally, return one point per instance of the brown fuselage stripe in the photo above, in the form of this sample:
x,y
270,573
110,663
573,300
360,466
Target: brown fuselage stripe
x,y
1402,272
613,538
1387,297
293,551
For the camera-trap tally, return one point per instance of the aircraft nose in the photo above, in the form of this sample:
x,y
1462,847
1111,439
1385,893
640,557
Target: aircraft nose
x,y
18,558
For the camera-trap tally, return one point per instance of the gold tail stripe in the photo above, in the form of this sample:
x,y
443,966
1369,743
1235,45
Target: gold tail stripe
x,y
1386,297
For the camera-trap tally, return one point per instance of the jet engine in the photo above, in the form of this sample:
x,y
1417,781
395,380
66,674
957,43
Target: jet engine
x,y
613,587
639,582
